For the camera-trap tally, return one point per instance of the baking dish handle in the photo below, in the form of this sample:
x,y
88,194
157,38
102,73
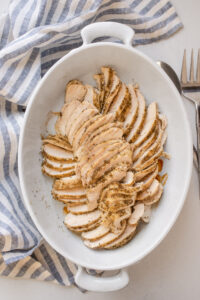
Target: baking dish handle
x,y
101,284
111,29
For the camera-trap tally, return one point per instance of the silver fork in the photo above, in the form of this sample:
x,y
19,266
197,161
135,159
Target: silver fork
x,y
193,85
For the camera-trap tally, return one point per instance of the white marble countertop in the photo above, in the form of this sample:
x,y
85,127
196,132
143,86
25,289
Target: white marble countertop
x,y
172,270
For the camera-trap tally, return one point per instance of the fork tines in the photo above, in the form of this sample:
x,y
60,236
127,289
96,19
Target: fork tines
x,y
192,82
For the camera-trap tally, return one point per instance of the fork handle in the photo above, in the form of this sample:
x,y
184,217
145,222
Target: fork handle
x,y
197,106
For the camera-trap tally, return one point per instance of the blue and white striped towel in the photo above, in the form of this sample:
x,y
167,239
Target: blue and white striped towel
x,y
33,36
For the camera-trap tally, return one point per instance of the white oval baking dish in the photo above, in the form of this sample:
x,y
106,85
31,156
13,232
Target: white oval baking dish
x,y
47,213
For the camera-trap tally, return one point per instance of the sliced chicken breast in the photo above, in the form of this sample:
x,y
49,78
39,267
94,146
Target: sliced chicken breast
x,y
107,73
150,192
75,115
146,181
54,140
91,94
73,202
87,114
147,214
123,239
67,183
88,170
114,133
114,90
132,112
93,129
64,117
75,90
96,233
149,124
124,157
74,221
137,214
118,218
59,166
154,198
80,209
90,136
58,154
56,174
82,130
99,78
93,194
116,206
137,152
141,174
72,193
105,240
129,179
86,228
119,101
133,134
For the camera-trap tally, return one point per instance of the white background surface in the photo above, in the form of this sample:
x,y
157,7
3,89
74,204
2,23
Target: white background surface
x,y
172,270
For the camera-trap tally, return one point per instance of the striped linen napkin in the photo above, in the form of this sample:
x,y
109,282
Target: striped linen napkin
x,y
33,36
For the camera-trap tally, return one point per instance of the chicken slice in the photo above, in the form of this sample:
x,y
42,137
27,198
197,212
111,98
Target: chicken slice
x,y
114,89
99,78
159,142
144,146
123,239
59,166
129,180
88,170
135,130
118,218
75,115
74,221
141,174
116,206
91,94
106,239
86,228
137,214
150,192
89,155
73,202
80,209
132,112
149,124
154,198
107,73
112,132
119,187
145,164
71,193
64,117
81,131
56,141
67,182
93,193
106,133
92,125
119,101
84,116
147,213
146,181
96,233
153,152
57,174
75,90
124,157
56,153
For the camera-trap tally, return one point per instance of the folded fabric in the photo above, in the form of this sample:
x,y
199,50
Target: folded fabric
x,y
33,36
